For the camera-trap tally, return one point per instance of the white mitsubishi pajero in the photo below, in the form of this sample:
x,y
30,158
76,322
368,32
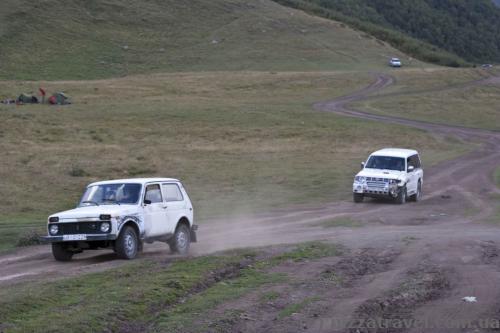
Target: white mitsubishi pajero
x,y
391,173
122,215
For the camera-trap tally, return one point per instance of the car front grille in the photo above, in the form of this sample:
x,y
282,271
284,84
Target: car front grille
x,y
80,228
377,185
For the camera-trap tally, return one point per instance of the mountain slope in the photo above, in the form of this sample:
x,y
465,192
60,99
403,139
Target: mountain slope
x,y
72,39
470,29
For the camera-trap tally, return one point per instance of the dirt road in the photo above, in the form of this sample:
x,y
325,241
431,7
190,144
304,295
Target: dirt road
x,y
439,243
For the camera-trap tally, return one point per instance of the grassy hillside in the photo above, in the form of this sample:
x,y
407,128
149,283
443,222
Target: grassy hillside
x,y
469,29
72,39
419,95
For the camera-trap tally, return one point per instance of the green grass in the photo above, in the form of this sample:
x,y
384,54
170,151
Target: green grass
x,y
95,301
471,107
340,222
307,251
93,39
269,296
181,317
495,217
249,141
165,296
296,307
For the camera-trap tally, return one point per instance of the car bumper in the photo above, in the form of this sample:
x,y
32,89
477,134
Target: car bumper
x,y
87,238
387,192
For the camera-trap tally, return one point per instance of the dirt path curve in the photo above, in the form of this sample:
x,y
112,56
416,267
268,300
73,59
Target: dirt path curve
x,y
442,229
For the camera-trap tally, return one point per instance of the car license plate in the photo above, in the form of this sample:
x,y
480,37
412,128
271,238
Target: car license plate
x,y
74,237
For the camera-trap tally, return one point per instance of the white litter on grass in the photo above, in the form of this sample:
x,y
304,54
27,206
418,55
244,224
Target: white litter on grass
x,y
470,299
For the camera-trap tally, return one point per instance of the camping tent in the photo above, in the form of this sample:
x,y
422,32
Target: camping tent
x,y
26,99
59,98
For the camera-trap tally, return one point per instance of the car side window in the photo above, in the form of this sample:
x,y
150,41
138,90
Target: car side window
x,y
418,165
172,192
153,193
414,161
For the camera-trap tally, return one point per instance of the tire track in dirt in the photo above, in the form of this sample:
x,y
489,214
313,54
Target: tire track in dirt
x,y
469,180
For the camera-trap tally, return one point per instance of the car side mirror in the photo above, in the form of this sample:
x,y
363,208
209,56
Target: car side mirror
x,y
411,168
362,165
147,202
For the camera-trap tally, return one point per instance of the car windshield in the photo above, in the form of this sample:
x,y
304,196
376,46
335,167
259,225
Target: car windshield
x,y
386,162
111,194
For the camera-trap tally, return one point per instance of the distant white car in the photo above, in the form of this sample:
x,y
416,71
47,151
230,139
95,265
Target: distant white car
x,y
395,62
390,173
122,215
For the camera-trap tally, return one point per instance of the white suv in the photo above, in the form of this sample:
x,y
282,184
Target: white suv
x,y
395,62
391,173
122,215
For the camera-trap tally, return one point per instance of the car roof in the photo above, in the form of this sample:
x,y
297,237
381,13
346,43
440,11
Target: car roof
x,y
395,59
397,152
135,181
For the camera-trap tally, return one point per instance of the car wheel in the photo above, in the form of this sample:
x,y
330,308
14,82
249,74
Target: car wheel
x,y
418,196
181,240
60,252
358,197
401,198
127,244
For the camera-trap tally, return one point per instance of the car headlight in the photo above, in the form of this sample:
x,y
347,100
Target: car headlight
x,y
394,181
105,226
53,229
360,179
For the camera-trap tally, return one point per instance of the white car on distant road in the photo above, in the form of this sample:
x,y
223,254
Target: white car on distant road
x,y
390,173
122,215
395,62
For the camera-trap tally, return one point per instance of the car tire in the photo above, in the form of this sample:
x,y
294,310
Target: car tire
x,y
127,244
181,240
417,196
60,252
401,198
358,197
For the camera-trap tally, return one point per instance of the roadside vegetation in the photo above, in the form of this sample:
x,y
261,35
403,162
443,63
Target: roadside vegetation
x,y
249,141
152,295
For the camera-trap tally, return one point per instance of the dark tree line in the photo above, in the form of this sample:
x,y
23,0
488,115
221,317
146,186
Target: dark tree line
x,y
467,28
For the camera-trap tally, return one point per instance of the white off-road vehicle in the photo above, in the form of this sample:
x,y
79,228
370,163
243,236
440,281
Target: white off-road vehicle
x,y
390,173
122,215
395,62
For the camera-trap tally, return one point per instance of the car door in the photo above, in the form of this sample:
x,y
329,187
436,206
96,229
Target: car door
x,y
412,184
155,215
419,172
175,204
